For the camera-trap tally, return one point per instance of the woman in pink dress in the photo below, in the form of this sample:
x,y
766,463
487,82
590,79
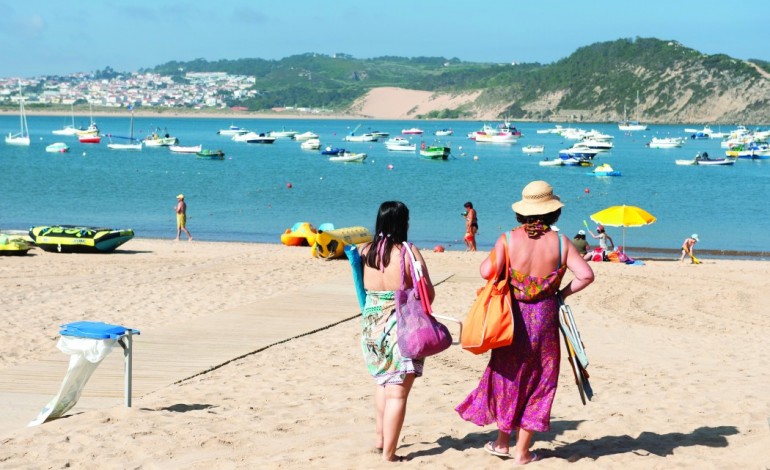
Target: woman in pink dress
x,y
517,389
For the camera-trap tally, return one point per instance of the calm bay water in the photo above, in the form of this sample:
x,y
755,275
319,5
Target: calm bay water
x,y
246,197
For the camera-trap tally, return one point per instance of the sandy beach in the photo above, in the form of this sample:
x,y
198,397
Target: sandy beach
x,y
678,364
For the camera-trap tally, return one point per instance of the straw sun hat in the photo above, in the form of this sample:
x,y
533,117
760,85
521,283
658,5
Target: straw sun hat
x,y
537,198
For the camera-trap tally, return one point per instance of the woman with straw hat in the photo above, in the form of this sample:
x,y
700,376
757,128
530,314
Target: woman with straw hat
x,y
517,389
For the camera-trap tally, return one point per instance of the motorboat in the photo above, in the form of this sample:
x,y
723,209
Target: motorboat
x,y
572,161
91,130
705,160
57,147
185,149
157,140
412,131
310,144
305,136
595,144
578,151
260,138
752,150
283,134
380,134
79,239
490,135
367,137
232,130
435,152
210,154
400,144
665,142
604,170
552,162
348,157
443,132
332,151
554,130
533,149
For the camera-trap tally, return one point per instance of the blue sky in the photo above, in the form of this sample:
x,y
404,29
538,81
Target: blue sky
x,y
42,37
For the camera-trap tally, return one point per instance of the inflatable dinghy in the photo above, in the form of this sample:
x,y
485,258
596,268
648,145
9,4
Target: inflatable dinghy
x,y
75,239
331,243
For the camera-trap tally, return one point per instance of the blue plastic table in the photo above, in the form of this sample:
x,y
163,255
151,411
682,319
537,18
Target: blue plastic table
x,y
99,330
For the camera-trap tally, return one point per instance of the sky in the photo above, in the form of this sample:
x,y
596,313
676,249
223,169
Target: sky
x,y
55,37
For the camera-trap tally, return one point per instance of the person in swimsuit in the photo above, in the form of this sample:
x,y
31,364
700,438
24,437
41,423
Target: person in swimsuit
x,y
517,388
383,261
181,218
471,226
687,247
605,241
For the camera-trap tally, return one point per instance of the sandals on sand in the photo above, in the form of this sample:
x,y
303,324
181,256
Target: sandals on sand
x,y
490,448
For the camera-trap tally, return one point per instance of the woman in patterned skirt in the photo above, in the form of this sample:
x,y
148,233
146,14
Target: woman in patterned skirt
x,y
394,374
517,389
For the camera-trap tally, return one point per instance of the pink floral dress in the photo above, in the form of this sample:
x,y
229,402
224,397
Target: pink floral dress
x,y
519,383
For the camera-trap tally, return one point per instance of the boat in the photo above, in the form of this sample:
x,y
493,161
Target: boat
x,y
12,245
489,134
211,154
380,134
604,170
89,139
331,243
554,130
752,150
232,130
578,151
686,162
283,134
22,138
707,161
157,140
133,144
79,239
412,131
553,162
573,161
435,152
91,130
332,151
665,142
260,138
310,144
305,136
626,125
400,144
348,157
533,149
367,137
185,149
595,144
57,147
68,129
444,132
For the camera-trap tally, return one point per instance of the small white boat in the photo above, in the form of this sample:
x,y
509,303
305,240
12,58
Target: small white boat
x,y
157,140
244,137
348,157
360,138
400,144
232,130
305,136
310,144
533,149
665,142
185,149
57,147
68,129
283,134
412,131
496,138
444,132
686,162
553,162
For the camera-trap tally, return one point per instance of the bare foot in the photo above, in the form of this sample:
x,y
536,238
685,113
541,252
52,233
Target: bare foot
x,y
398,458
532,457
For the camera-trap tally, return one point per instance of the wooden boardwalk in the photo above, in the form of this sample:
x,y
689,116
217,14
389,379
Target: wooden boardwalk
x,y
166,355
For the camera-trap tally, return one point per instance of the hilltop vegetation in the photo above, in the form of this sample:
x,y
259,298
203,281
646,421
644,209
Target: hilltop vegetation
x,y
675,83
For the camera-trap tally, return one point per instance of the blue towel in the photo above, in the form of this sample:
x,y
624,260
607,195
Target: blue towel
x,y
351,251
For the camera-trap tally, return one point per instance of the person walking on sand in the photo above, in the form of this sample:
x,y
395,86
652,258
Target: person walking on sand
x,y
687,247
471,226
181,218
394,374
517,389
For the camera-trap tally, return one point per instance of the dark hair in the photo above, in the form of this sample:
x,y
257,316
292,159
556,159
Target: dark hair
x,y
547,219
468,205
390,229
580,236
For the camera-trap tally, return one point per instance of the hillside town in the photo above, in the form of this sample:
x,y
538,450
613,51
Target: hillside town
x,y
197,90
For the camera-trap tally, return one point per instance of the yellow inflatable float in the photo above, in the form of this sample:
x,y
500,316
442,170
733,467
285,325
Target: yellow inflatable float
x,y
331,243
300,234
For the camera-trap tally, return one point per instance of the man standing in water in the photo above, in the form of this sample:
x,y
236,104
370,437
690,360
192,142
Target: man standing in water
x,y
181,218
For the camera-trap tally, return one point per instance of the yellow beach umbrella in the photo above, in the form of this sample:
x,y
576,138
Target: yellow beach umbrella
x,y
623,216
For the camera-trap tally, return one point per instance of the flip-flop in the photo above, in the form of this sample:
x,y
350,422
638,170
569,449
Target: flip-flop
x,y
535,458
489,447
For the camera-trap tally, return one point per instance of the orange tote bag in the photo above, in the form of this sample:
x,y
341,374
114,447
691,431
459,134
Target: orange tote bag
x,y
489,323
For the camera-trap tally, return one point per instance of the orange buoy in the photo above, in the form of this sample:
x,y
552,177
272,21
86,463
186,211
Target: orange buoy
x,y
288,185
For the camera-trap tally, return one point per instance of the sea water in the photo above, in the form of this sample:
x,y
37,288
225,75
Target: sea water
x,y
260,190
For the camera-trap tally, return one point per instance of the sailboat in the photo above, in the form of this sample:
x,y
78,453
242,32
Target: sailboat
x,y
22,138
627,125
89,135
68,129
133,144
